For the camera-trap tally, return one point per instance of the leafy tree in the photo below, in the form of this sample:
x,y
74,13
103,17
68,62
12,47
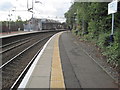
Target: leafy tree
x,y
94,22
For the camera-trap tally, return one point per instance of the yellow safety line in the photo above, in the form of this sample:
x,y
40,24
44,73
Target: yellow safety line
x,y
57,80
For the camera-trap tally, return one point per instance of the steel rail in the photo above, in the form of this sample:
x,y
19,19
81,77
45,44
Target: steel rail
x,y
27,67
22,52
13,42
13,47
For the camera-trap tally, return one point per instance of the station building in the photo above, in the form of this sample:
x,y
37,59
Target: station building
x,y
35,24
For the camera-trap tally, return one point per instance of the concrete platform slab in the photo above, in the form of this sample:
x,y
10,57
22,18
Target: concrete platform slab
x,y
38,82
42,75
42,71
80,67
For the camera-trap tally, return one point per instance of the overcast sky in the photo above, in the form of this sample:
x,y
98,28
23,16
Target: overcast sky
x,y
47,9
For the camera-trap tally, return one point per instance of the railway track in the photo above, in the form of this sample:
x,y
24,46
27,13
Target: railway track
x,y
15,68
15,48
12,43
12,47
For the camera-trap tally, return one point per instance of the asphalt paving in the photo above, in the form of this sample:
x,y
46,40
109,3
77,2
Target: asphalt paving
x,y
79,70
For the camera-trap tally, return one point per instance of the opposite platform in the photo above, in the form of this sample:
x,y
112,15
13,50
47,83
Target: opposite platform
x,y
5,35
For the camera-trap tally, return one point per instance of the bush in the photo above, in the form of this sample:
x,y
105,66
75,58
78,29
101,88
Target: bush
x,y
102,41
111,50
98,27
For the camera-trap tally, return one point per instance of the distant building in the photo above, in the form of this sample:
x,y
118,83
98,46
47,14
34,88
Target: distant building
x,y
33,25
42,24
48,24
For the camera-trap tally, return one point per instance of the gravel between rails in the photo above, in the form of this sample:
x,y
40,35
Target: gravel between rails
x,y
14,69
9,45
8,55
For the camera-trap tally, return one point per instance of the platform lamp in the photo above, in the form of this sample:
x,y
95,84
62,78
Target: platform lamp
x,y
74,19
9,27
14,9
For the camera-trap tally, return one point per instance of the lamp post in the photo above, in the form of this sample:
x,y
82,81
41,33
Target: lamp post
x,y
74,18
9,27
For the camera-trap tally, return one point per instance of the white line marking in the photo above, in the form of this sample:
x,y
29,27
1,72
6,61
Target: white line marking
x,y
29,73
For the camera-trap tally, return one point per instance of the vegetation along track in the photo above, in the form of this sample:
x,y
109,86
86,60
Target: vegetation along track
x,y
12,68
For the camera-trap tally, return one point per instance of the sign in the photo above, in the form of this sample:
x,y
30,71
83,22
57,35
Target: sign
x,y
112,7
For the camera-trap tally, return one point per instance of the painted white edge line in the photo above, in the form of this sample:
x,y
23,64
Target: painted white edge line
x,y
29,73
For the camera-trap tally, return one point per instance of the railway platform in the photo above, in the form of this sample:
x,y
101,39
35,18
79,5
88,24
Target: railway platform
x,y
2,35
62,63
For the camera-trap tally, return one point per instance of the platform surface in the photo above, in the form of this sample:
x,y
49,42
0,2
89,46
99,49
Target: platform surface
x,y
3,35
79,68
63,64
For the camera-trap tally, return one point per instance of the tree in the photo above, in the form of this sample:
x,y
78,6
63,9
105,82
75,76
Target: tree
x,y
95,23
